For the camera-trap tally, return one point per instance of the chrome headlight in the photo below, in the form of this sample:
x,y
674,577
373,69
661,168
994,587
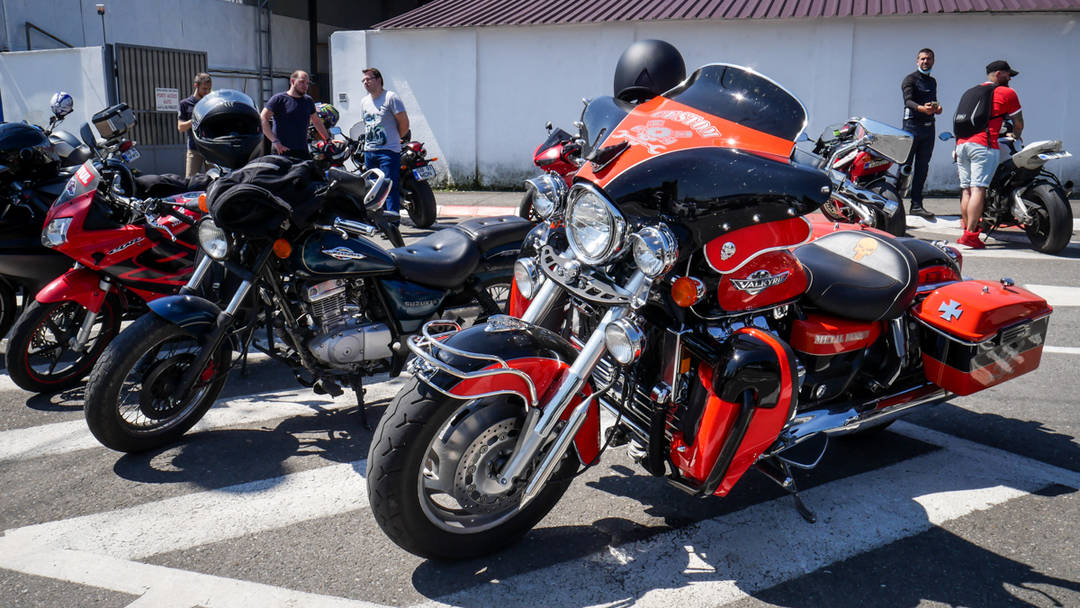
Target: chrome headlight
x,y
212,239
655,250
595,228
55,234
527,277
548,193
624,341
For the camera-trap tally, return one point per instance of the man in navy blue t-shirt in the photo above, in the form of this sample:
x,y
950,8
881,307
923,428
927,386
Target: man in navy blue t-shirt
x,y
291,112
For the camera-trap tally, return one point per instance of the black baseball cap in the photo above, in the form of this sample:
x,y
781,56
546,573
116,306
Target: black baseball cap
x,y
1000,66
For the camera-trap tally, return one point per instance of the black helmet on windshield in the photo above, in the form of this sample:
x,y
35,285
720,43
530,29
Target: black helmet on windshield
x,y
226,128
646,69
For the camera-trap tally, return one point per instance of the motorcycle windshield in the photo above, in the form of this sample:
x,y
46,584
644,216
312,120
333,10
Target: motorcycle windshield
x,y
742,96
85,179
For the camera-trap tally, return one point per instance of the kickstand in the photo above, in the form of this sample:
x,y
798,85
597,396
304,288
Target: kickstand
x,y
358,386
780,473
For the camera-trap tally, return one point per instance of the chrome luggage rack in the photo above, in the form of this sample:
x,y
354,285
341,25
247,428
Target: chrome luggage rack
x,y
427,365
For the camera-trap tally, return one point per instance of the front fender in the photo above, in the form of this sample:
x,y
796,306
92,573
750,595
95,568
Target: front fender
x,y
194,314
80,285
532,351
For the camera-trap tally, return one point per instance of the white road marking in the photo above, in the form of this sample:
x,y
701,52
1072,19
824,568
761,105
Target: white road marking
x,y
715,561
1062,350
725,559
1057,295
62,437
202,518
944,223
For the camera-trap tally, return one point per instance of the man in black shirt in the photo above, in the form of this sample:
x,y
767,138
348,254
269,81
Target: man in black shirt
x,y
920,107
290,113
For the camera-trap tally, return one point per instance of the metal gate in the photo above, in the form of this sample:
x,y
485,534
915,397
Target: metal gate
x,y
151,80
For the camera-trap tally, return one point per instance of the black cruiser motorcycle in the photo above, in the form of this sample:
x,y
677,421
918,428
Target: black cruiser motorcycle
x,y
308,288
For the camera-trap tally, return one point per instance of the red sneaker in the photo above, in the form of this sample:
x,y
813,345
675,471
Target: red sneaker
x,y
971,240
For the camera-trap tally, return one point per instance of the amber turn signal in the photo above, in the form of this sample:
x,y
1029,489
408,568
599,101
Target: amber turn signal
x,y
282,248
687,291
202,203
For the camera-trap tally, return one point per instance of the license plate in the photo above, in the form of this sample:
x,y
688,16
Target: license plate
x,y
129,155
425,172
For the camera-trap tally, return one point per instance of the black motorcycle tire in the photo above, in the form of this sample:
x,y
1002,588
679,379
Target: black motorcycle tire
x,y
103,390
1052,229
397,460
897,224
8,307
419,201
28,333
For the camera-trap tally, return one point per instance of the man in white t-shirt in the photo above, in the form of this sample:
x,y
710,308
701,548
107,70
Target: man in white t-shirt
x,y
385,121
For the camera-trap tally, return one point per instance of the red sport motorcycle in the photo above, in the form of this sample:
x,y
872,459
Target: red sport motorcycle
x,y
855,150
561,154
127,252
699,305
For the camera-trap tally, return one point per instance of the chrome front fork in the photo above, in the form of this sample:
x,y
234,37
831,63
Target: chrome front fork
x,y
540,424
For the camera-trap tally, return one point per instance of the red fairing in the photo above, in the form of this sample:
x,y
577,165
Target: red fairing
x,y
821,335
729,252
866,165
822,225
81,285
696,462
544,373
771,278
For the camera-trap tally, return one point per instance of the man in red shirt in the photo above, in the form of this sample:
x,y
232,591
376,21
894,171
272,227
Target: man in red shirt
x,y
977,156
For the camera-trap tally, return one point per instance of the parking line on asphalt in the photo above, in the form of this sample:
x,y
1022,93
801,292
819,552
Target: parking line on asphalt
x,y
1062,350
1057,295
474,211
73,435
715,561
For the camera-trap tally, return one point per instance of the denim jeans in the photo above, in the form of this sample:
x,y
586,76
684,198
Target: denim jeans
x,y
389,163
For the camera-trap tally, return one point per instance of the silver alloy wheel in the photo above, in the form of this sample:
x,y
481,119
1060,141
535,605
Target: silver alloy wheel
x,y
456,485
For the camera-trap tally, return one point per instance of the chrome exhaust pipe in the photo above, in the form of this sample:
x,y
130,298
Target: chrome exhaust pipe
x,y
843,420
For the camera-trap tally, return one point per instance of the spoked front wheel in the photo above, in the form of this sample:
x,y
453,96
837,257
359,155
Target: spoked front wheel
x,y
132,397
43,354
432,475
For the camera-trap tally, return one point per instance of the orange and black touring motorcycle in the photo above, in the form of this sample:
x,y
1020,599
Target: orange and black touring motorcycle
x,y
696,299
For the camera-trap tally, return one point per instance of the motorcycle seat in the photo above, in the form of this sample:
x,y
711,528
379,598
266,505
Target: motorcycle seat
x,y
859,275
494,232
443,259
925,253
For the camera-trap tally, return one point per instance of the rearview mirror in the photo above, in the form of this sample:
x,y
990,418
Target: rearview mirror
x,y
890,142
802,137
946,136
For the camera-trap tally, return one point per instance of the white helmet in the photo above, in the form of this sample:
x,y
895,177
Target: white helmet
x,y
62,104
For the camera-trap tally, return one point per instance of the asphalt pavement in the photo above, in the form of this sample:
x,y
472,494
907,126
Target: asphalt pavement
x,y
973,502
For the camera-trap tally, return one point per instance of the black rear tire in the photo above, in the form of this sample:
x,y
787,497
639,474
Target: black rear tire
x,y
400,463
1053,225
897,224
39,358
127,407
419,202
8,307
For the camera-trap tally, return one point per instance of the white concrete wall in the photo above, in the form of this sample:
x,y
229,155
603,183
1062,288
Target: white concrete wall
x,y
29,80
480,96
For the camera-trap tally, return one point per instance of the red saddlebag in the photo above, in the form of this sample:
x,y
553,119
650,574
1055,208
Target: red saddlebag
x,y
976,334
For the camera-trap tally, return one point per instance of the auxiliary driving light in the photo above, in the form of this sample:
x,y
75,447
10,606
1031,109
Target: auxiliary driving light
x,y
624,340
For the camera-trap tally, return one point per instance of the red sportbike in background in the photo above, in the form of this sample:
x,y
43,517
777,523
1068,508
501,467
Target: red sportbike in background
x,y
560,153
868,164
127,252
698,303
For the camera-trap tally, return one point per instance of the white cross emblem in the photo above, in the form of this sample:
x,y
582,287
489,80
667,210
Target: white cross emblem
x,y
950,310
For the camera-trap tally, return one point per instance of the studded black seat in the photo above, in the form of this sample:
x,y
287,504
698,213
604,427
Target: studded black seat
x,y
494,232
442,259
859,275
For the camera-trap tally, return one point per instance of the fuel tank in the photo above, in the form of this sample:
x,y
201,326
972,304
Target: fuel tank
x,y
327,254
756,266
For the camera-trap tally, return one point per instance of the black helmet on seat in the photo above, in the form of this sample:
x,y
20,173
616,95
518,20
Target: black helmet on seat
x,y
226,128
646,69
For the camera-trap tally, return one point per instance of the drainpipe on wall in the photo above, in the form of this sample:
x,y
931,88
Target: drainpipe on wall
x,y
4,44
313,40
